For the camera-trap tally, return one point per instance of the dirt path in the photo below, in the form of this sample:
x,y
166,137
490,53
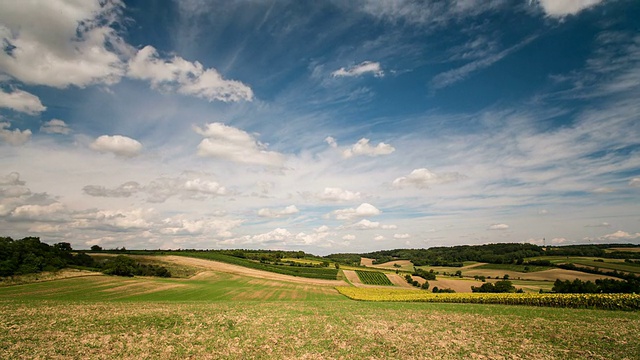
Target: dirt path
x,y
241,270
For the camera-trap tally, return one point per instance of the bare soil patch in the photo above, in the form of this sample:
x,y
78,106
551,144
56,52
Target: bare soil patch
x,y
240,270
366,261
400,281
460,286
545,275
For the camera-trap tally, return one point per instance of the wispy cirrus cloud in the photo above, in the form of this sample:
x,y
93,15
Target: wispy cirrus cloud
x,y
360,69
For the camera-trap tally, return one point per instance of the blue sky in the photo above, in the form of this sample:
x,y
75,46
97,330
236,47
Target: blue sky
x,y
324,126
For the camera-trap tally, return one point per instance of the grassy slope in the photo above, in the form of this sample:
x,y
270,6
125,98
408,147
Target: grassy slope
x,y
216,315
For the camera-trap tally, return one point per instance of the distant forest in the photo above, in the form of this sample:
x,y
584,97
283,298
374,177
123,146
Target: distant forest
x,y
505,253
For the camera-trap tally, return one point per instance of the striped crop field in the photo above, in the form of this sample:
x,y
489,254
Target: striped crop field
x,y
373,278
587,301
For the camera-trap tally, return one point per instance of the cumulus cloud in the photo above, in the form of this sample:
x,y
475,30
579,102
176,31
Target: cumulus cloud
x,y
21,101
498,227
229,143
185,77
635,182
621,235
37,212
16,137
331,141
113,220
279,236
12,179
378,238
365,224
55,126
349,237
180,225
118,145
364,210
78,48
360,69
559,8
322,229
192,186
401,236
362,147
338,194
424,178
287,211
125,190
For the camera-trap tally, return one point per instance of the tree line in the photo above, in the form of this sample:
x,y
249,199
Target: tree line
x,y
29,255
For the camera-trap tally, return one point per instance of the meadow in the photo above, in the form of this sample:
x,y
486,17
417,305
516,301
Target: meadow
x,y
222,315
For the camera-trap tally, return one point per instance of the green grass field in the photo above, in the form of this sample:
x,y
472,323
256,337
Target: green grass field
x,y
224,316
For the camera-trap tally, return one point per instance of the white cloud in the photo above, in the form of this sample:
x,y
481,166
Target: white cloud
x,y
331,141
558,241
364,210
179,225
360,69
15,137
423,178
13,179
76,47
188,186
498,227
603,190
602,224
118,145
37,212
453,76
378,238
543,212
21,101
287,211
229,143
338,194
349,237
114,220
125,190
365,224
621,235
185,77
322,229
635,182
559,8
205,186
362,147
55,126
401,236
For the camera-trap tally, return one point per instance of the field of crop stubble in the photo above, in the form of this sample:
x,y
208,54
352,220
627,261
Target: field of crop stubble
x,y
229,316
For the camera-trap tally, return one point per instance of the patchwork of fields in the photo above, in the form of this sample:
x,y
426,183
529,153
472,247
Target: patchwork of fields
x,y
228,313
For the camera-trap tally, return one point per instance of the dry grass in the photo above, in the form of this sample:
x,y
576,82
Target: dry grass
x,y
317,330
545,275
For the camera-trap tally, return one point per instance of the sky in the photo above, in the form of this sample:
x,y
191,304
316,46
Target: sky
x,y
324,126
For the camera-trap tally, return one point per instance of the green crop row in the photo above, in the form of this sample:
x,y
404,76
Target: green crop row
x,y
373,278
588,301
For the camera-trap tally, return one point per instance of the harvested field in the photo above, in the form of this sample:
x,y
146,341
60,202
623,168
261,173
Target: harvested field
x,y
366,261
240,270
545,275
400,281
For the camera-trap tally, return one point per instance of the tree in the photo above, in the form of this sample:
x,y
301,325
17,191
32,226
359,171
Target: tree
x,y
96,248
425,285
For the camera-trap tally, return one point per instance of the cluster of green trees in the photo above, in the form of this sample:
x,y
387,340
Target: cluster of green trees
x,y
424,286
427,275
607,286
30,255
503,286
507,253
125,266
